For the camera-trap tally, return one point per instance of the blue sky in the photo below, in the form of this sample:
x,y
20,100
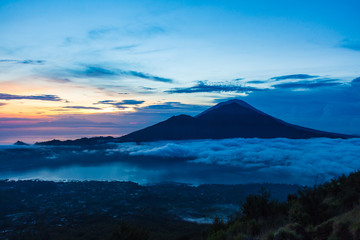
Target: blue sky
x,y
133,63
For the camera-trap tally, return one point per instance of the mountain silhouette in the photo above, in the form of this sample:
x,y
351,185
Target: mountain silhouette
x,y
231,119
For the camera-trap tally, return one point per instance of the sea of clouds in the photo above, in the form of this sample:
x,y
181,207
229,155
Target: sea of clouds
x,y
230,161
319,158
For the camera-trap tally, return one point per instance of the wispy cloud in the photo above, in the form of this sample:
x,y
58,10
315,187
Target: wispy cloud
x,y
5,96
257,81
121,104
102,72
308,84
148,88
101,32
126,47
5,119
134,30
145,31
82,107
356,82
351,44
203,86
72,122
166,105
174,106
27,61
59,80
146,76
2,104
68,122
294,76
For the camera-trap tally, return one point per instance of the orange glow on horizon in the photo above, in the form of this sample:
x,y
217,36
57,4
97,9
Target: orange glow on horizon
x,y
75,99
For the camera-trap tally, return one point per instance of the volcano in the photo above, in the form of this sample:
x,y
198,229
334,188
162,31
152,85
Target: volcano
x,y
231,119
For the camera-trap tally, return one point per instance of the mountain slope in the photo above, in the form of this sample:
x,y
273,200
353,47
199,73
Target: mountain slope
x,y
327,211
229,119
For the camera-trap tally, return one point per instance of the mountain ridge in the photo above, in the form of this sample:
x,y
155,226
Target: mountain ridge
x,y
231,119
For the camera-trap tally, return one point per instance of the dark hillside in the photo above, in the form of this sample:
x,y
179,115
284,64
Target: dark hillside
x,y
328,211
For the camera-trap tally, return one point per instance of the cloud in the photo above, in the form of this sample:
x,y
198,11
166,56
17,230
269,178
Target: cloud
x,y
166,105
203,86
295,161
81,107
101,72
65,122
3,104
154,30
126,47
293,76
351,44
120,104
145,31
131,102
94,71
5,96
59,80
355,83
27,61
166,150
135,30
257,82
146,76
71,122
101,32
173,106
148,88
308,84
230,161
5,119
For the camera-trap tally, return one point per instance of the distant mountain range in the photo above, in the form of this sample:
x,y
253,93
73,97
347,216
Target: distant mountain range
x,y
230,119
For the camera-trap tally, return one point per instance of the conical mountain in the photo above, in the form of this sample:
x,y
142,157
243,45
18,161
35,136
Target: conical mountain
x,y
231,119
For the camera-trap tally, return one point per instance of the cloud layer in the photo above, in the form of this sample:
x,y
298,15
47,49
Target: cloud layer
x,y
82,107
294,76
204,87
27,61
44,97
286,82
121,104
294,161
228,161
102,72
351,44
308,84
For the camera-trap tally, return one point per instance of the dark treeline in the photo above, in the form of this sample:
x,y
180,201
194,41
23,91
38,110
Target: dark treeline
x,y
327,211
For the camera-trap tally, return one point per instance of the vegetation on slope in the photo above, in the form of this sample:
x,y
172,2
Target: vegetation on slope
x,y
328,211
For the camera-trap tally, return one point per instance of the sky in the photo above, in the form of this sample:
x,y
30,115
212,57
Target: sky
x,y
71,69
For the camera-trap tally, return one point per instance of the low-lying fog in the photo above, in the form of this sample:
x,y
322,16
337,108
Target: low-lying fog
x,y
227,161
